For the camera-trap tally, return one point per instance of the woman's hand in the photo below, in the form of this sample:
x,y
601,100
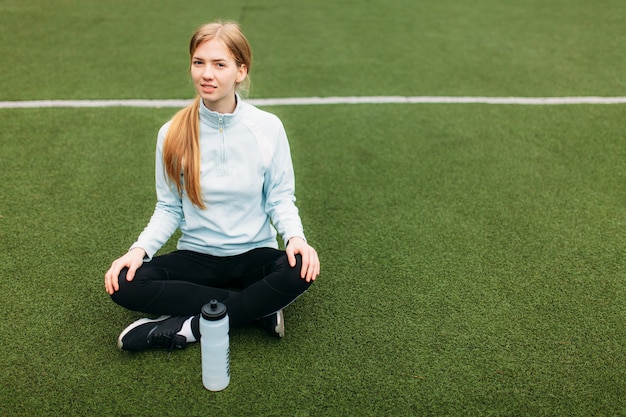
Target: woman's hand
x,y
132,260
310,261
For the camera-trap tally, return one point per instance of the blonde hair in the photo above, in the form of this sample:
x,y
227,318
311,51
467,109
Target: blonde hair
x,y
181,149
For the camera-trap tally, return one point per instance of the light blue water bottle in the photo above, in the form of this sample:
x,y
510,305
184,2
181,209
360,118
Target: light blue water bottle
x,y
214,345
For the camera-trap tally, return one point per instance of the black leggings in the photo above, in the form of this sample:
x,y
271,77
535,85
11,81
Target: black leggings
x,y
251,285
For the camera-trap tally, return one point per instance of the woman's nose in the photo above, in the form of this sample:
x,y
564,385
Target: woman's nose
x,y
208,72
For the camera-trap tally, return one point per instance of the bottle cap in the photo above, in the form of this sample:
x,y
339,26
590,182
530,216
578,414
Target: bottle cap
x,y
213,311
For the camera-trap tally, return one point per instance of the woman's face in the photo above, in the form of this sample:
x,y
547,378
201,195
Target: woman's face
x,y
215,75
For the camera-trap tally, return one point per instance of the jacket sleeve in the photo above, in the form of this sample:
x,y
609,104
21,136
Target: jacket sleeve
x,y
168,212
279,188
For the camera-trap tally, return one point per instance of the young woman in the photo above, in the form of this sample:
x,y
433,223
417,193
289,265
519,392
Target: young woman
x,y
224,177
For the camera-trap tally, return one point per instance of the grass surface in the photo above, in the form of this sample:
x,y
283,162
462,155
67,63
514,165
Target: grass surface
x,y
71,49
466,269
472,255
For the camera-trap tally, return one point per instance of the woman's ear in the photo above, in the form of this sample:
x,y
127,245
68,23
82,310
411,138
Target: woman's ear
x,y
242,73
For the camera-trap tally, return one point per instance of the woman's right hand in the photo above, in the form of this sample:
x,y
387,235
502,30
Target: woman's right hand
x,y
132,260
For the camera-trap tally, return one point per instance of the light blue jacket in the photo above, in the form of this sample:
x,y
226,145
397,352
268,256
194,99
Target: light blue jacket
x,y
247,183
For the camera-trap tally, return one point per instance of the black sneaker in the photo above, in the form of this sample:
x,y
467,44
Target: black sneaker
x,y
153,333
275,323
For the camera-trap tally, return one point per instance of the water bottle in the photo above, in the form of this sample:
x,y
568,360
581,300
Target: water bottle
x,y
214,346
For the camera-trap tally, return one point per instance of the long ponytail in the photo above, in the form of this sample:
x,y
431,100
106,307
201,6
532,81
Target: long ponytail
x,y
181,153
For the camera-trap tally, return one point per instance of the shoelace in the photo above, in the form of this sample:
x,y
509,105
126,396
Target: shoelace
x,y
168,340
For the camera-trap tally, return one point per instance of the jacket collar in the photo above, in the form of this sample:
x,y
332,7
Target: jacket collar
x,y
215,119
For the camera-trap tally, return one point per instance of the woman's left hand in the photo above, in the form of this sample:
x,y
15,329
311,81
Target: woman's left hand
x,y
310,261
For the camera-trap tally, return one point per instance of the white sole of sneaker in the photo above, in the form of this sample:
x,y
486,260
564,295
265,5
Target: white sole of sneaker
x,y
280,324
136,324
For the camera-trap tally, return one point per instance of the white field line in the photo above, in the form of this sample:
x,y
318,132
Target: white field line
x,y
299,101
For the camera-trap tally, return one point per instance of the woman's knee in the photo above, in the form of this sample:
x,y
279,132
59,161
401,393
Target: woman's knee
x,y
121,283
127,294
294,279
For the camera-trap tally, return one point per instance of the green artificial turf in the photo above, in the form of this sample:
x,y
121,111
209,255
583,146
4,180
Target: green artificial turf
x,y
90,49
473,263
472,255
